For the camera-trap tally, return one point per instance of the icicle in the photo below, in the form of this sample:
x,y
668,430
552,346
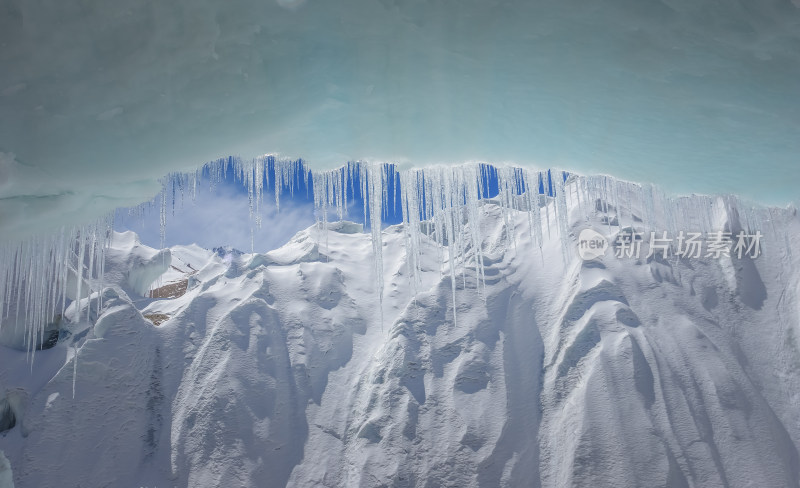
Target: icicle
x,y
562,214
163,217
410,210
472,198
578,182
279,170
547,215
617,203
503,196
79,272
534,212
375,200
89,274
321,201
448,212
362,179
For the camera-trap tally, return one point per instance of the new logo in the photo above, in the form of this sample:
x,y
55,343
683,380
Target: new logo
x,y
591,244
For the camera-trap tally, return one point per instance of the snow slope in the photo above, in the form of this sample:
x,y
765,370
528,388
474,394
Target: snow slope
x,y
283,369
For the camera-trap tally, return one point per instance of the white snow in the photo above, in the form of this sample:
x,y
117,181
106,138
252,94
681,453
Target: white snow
x,y
274,370
6,476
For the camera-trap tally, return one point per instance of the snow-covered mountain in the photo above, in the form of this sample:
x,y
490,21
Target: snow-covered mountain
x,y
287,369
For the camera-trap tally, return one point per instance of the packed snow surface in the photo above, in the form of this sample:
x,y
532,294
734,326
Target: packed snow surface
x,y
101,99
496,360
6,479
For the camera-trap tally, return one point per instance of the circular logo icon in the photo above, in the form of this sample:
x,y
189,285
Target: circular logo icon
x,y
591,244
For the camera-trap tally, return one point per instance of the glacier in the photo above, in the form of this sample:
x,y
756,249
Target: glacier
x,y
531,367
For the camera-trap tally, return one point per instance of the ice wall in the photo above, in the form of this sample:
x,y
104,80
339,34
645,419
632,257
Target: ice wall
x,y
100,99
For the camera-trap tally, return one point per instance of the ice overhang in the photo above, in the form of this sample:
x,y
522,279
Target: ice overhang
x,y
100,99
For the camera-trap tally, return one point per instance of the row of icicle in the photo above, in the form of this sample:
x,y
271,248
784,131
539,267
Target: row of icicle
x,y
441,203
41,276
